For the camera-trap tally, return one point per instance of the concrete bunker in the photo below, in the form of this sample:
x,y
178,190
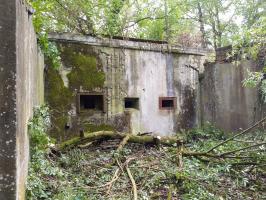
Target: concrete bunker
x,y
126,84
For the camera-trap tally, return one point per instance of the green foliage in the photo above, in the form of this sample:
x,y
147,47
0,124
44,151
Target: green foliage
x,y
37,128
39,165
263,90
252,39
208,131
220,24
43,171
253,79
113,17
42,21
50,50
145,19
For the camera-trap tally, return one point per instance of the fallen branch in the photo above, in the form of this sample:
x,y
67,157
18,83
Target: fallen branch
x,y
115,177
244,148
239,134
84,146
123,142
135,192
146,139
109,184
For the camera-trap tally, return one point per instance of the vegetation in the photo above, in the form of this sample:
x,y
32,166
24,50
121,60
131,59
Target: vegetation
x,y
59,98
217,22
99,171
205,23
209,165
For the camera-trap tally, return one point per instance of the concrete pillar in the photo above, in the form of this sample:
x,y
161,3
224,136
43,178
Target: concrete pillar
x,y
21,88
8,99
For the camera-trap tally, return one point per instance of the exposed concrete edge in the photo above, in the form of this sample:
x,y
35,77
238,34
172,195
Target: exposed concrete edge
x,y
125,44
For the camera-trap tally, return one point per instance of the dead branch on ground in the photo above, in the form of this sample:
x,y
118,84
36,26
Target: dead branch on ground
x,y
106,135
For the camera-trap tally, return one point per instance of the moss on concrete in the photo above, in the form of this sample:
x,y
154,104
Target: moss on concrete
x,y
94,128
86,71
58,95
59,98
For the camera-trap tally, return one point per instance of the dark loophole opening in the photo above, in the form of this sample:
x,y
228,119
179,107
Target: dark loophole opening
x,y
132,103
94,102
169,103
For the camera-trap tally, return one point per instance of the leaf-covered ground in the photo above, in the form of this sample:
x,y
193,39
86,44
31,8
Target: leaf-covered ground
x,y
99,172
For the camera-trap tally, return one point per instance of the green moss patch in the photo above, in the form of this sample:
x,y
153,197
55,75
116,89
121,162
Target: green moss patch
x,y
86,70
58,95
94,128
59,99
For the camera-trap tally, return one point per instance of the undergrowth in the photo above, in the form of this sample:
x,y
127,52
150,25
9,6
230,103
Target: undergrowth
x,y
87,173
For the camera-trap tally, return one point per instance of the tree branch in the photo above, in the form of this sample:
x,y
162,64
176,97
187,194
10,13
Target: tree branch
x,y
241,149
237,135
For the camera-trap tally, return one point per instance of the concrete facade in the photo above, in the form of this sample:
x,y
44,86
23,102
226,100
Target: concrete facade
x,y
21,88
148,71
133,69
226,103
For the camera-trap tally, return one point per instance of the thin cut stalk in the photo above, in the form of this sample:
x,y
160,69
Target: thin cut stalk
x,y
233,137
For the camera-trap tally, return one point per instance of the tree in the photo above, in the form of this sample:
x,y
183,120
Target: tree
x,y
216,20
147,19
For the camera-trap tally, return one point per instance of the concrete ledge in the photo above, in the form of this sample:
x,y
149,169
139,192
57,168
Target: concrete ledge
x,y
144,45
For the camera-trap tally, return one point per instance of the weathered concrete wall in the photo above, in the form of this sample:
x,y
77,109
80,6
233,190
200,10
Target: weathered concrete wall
x,y
150,75
225,102
21,69
132,69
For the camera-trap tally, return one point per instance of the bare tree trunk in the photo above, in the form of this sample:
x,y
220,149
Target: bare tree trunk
x,y
202,30
218,28
167,32
214,36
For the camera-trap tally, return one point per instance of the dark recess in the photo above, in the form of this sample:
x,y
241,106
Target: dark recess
x,y
91,102
167,103
132,103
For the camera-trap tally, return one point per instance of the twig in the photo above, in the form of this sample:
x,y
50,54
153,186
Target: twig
x,y
115,177
248,163
245,141
123,142
180,157
119,164
233,137
230,152
135,193
84,146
